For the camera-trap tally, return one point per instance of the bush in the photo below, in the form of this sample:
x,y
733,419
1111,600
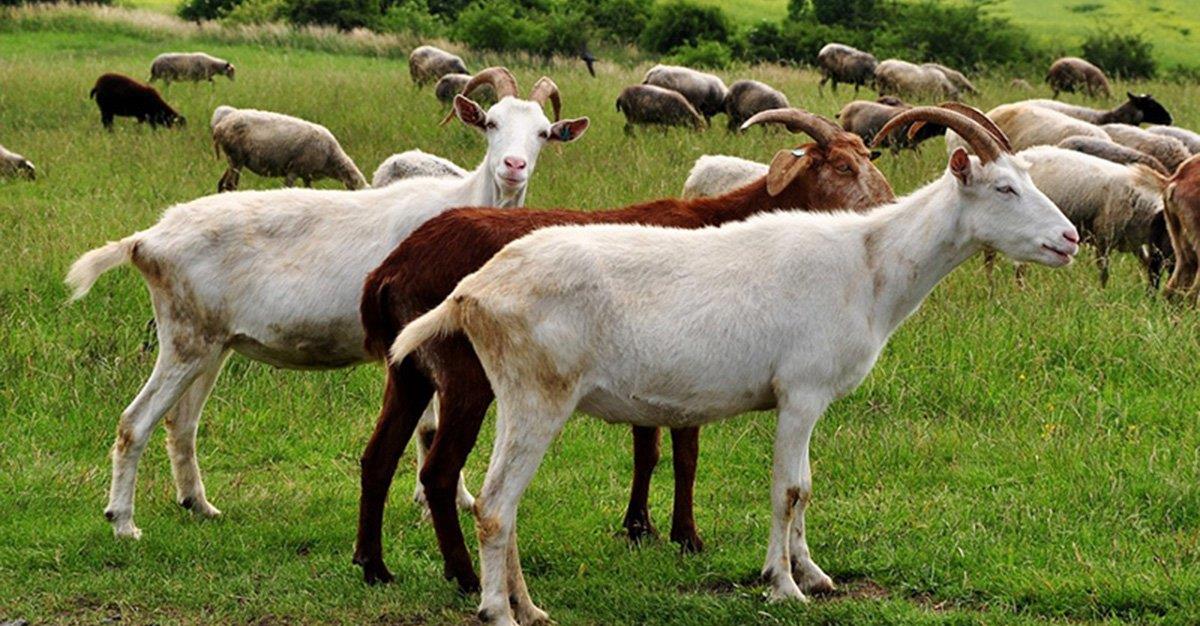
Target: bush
x,y
197,10
495,25
566,32
1125,56
447,9
765,42
255,12
962,36
343,14
410,16
620,20
707,54
682,23
804,39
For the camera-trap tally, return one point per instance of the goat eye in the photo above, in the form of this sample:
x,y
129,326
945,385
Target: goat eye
x,y
490,125
1007,189
843,168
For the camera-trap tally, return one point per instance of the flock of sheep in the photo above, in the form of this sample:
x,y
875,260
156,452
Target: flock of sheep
x,y
774,285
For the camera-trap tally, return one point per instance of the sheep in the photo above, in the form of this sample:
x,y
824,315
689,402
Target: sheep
x,y
1182,203
717,174
414,164
864,118
12,164
1115,207
277,276
652,105
273,144
190,66
1111,151
1072,73
675,327
427,64
1168,150
450,85
121,96
842,63
1028,125
425,268
1136,110
897,77
956,78
1190,140
749,97
705,91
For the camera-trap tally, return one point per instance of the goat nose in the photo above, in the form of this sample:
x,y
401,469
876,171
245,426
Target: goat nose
x,y
515,164
1071,236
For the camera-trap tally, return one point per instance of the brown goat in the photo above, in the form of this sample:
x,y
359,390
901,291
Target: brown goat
x,y
1182,205
833,172
122,96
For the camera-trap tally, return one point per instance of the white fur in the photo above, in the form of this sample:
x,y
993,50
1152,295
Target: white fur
x,y
274,144
413,164
894,76
1190,139
276,276
12,163
1029,125
1169,150
672,327
193,66
715,175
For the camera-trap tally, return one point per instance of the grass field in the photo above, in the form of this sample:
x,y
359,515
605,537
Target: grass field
x,y
1018,455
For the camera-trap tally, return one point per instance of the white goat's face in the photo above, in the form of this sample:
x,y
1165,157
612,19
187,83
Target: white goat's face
x,y
516,132
1003,209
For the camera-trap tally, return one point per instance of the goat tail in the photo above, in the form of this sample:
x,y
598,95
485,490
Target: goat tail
x,y
87,268
441,320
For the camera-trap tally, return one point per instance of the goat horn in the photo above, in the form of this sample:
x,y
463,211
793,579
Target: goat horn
x,y
797,121
545,89
501,80
983,120
980,140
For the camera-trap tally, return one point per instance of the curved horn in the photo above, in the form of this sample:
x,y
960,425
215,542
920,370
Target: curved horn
x,y
981,119
975,135
545,89
797,121
501,80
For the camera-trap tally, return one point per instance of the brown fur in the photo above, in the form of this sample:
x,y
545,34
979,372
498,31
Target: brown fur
x,y
1070,74
122,96
421,272
648,104
1183,223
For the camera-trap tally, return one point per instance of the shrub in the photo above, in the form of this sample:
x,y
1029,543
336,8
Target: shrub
x,y
620,20
765,42
197,10
804,39
495,25
683,23
958,35
410,16
447,9
255,12
566,32
708,54
1126,56
343,14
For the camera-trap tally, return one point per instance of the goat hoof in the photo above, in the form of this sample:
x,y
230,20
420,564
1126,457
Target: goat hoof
x,y
468,582
689,543
640,528
374,572
186,503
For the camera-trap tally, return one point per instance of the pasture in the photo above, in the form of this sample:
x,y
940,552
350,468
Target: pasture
x,y
1018,455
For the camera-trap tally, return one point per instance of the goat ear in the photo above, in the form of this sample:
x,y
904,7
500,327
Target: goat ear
x,y
568,130
960,166
785,167
469,112
875,154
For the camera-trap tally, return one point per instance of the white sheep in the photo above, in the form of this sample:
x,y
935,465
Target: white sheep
x,y
1190,139
901,78
189,66
12,164
672,327
1167,149
716,174
273,144
1028,125
277,276
414,164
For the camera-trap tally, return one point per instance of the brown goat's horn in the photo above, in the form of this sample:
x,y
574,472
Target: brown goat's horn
x,y
545,89
983,120
501,80
797,121
980,140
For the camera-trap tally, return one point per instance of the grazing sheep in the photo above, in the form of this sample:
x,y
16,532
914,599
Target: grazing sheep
x,y
12,164
1168,150
189,66
705,91
412,164
122,96
1027,125
1073,73
676,327
865,118
955,77
897,77
451,85
652,105
716,174
273,145
1112,151
840,63
1138,109
277,277
1190,139
832,173
1115,207
747,97
1182,201
427,64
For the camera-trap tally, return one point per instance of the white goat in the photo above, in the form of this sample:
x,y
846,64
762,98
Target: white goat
x,y
670,327
414,164
714,175
277,276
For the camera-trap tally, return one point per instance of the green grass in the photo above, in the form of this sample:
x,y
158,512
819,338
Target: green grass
x,y
1017,456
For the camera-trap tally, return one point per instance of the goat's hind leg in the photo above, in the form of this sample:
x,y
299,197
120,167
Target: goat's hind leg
x,y
426,431
181,426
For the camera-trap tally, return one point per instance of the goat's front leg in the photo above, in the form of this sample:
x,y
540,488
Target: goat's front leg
x,y
181,443
524,431
790,491
645,457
